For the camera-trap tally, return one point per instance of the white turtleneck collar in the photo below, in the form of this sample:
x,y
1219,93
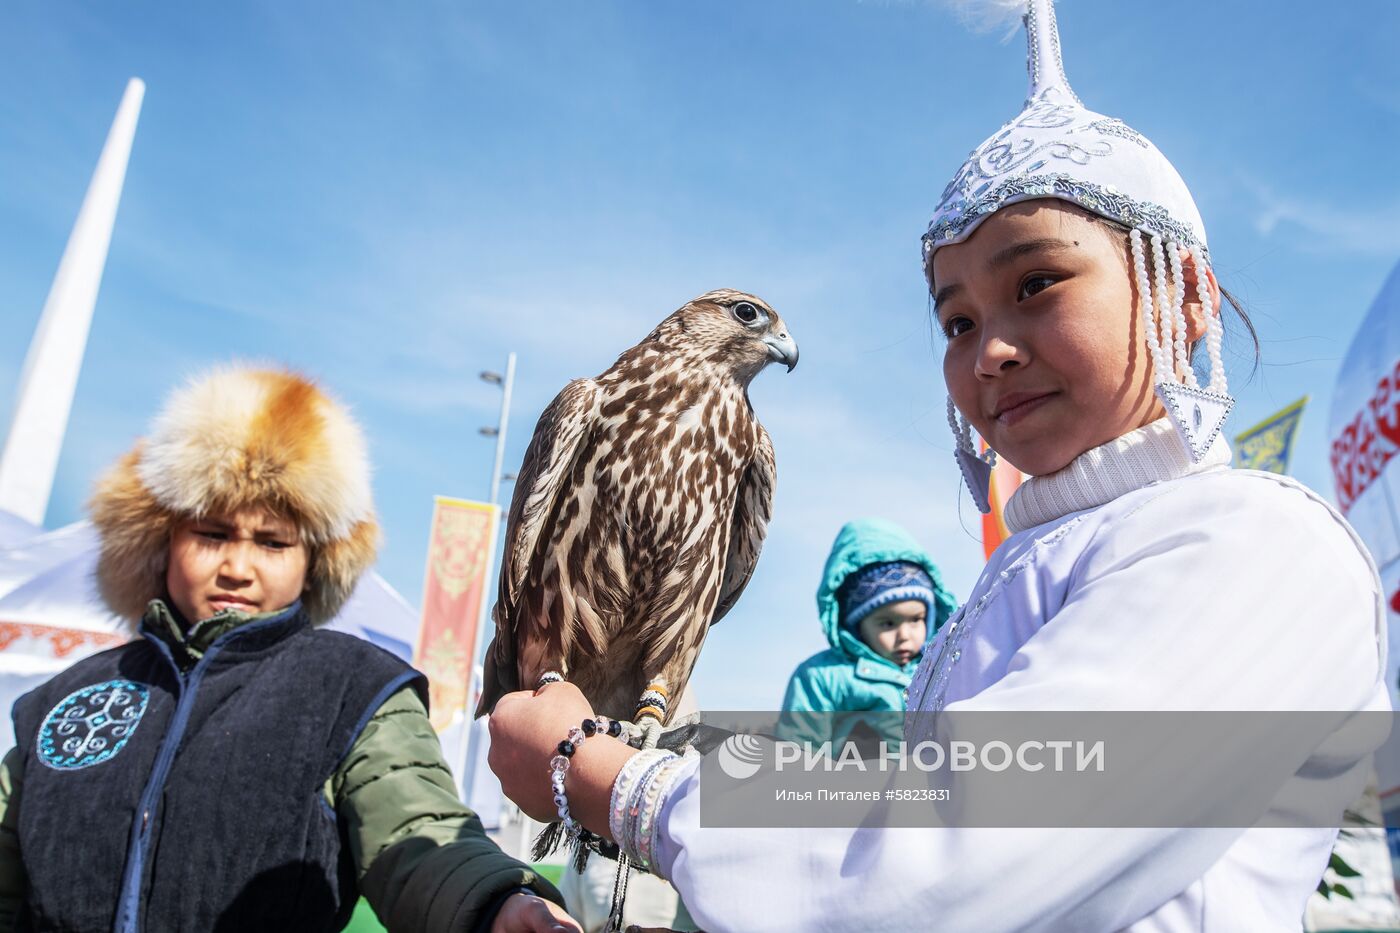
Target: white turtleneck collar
x,y
1151,454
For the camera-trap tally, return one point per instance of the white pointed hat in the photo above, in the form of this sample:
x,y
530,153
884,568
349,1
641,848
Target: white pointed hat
x,y
1058,148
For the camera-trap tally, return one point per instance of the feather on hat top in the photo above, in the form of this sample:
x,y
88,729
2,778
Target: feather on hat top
x,y
233,439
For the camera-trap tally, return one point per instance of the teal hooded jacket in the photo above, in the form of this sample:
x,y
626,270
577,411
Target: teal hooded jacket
x,y
850,675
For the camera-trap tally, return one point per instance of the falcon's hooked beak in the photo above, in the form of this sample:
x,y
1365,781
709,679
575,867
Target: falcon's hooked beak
x,y
782,349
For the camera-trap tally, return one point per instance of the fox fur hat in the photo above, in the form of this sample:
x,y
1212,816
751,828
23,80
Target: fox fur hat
x,y
229,440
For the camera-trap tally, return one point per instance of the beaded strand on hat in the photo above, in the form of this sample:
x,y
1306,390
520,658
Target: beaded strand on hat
x,y
1183,356
976,470
1196,411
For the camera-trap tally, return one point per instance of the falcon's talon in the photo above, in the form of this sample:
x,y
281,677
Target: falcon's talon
x,y
650,729
637,734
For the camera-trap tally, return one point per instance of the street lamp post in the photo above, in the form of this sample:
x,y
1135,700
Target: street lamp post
x,y
499,432
506,382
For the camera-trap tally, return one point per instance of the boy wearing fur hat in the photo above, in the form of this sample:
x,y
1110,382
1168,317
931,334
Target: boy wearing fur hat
x,y
235,767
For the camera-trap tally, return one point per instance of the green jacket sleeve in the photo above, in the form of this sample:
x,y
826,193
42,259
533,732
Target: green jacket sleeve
x,y
423,859
12,875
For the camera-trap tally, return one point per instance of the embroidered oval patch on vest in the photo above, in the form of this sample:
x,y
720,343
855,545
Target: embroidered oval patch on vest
x,y
91,725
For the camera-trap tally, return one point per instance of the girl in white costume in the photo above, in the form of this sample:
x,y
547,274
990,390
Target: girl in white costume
x,y
1071,277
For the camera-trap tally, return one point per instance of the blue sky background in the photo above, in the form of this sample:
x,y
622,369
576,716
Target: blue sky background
x,y
393,196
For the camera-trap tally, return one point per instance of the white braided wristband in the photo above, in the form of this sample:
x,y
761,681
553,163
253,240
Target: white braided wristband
x,y
627,780
639,793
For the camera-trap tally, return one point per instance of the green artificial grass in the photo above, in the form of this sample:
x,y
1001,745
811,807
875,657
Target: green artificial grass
x,y
550,873
364,920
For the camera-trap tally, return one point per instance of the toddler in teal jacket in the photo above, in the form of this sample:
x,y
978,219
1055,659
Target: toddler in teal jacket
x,y
877,587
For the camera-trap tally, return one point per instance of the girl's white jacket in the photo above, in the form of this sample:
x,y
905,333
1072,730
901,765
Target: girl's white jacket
x,y
1168,586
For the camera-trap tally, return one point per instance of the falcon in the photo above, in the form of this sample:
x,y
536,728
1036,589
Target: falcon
x,y
639,513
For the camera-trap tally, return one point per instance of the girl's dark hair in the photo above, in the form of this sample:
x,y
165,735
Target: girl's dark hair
x,y
1244,319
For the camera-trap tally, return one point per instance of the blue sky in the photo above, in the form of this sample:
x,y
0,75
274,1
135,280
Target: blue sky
x,y
393,196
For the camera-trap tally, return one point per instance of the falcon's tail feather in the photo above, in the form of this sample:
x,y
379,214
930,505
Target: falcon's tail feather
x,y
547,841
581,853
553,835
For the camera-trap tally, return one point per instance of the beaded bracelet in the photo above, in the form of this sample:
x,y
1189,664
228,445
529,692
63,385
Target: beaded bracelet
x,y
559,765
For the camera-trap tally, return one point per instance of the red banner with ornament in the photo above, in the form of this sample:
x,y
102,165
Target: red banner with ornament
x,y
460,551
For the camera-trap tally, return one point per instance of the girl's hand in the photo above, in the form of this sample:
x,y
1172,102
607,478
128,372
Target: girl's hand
x,y
526,729
527,913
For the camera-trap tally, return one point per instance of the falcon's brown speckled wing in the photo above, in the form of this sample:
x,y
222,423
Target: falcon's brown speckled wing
x,y
752,511
544,473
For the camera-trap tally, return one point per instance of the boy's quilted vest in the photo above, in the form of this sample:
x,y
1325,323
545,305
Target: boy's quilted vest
x,y
160,795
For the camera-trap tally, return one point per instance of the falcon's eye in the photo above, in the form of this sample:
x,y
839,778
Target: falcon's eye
x,y
745,312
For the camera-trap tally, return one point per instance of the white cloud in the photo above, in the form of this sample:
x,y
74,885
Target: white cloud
x,y
1368,229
